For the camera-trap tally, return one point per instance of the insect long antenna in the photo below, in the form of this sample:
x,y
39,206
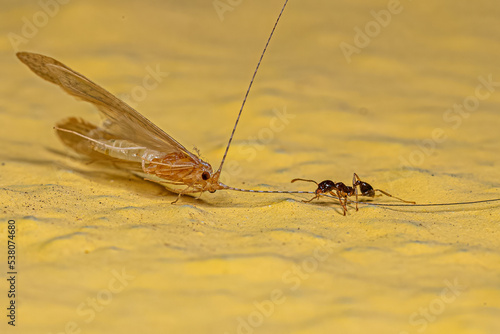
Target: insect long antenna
x,y
267,191
304,180
248,90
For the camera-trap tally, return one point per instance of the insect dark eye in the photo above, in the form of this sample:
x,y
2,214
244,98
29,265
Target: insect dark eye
x,y
205,176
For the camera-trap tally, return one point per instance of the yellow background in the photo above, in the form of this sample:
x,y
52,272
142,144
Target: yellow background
x,y
213,265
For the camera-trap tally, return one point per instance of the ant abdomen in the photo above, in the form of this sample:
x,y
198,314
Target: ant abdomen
x,y
366,189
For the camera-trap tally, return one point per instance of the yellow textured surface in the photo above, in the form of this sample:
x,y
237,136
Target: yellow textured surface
x,y
252,263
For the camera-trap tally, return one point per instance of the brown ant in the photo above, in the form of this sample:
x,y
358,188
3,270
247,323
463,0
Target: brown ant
x,y
341,191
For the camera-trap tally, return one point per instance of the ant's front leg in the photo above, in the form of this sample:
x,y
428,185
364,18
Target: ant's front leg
x,y
315,197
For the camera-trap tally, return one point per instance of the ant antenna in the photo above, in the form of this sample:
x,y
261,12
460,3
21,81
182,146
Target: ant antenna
x,y
248,90
306,180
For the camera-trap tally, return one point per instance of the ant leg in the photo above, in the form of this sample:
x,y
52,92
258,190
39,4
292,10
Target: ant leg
x,y
402,200
367,190
355,183
355,178
317,196
340,200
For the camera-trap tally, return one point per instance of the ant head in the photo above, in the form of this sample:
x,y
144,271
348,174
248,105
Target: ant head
x,y
366,189
325,186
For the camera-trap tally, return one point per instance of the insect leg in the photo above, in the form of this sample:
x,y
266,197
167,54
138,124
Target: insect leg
x,y
340,200
97,142
387,194
179,196
83,136
355,182
315,197
367,190
186,191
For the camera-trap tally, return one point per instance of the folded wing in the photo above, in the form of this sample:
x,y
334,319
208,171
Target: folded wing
x,y
121,120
